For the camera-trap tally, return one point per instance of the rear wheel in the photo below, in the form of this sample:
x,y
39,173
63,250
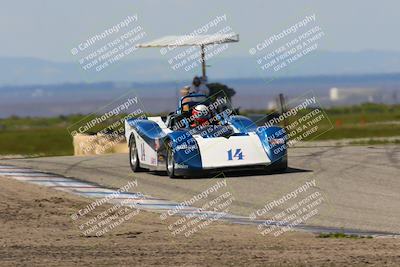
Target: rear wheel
x,y
133,155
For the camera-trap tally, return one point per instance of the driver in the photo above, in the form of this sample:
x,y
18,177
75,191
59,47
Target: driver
x,y
201,116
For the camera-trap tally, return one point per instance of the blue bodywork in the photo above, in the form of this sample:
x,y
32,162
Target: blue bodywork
x,y
243,124
186,151
146,128
185,147
275,152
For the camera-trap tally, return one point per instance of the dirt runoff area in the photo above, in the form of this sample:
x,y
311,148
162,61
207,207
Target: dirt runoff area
x,y
37,229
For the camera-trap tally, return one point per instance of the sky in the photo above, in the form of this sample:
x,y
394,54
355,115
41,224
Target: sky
x,y
48,29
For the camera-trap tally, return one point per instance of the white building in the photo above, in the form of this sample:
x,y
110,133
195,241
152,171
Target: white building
x,y
353,95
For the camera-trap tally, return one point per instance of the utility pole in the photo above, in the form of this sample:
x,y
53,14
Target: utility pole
x,y
203,62
283,108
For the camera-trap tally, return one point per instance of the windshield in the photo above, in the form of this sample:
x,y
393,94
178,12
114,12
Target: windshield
x,y
189,101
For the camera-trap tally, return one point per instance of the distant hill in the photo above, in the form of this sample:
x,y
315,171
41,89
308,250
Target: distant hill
x,y
26,71
256,93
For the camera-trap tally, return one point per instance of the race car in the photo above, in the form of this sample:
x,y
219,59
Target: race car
x,y
203,136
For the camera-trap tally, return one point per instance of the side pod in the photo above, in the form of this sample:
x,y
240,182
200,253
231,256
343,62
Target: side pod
x,y
274,142
185,148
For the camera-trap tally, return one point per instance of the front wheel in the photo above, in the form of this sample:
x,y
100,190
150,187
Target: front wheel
x,y
279,166
170,162
133,155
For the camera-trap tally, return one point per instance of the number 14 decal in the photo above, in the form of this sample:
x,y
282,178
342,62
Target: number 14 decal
x,y
238,154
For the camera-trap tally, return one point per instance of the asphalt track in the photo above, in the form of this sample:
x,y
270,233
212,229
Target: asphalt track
x,y
360,185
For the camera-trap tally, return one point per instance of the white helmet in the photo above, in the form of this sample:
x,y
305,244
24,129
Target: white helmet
x,y
200,113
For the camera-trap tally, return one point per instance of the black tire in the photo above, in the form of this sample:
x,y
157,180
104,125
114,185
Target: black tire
x,y
279,167
134,156
170,162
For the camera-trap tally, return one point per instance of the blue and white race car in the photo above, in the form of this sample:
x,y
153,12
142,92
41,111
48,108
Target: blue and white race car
x,y
181,146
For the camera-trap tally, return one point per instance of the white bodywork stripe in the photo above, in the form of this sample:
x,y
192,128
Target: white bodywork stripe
x,y
147,154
